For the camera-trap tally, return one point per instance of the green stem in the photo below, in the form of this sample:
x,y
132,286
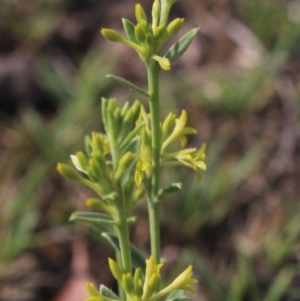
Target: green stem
x,y
123,235
153,206
120,287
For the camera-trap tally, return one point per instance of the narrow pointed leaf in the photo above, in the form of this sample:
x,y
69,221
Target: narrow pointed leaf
x,y
168,190
91,217
129,30
137,258
100,228
106,292
128,84
177,49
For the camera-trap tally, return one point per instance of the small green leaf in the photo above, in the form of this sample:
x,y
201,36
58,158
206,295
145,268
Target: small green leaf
x,y
138,260
174,187
182,298
177,295
99,228
128,84
106,292
129,30
91,217
177,49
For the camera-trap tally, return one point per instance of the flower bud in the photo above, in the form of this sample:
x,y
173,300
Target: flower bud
x,y
125,109
136,108
139,288
127,283
185,280
138,194
124,163
129,119
97,144
133,112
137,277
159,31
174,26
139,33
97,204
93,171
139,173
154,282
94,203
140,14
151,285
80,161
117,115
155,13
91,289
168,125
112,35
115,269
145,26
149,39
68,172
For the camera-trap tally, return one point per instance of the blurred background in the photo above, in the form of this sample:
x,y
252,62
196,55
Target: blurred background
x,y
240,84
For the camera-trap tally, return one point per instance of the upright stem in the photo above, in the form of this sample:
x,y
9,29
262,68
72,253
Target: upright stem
x,y
121,292
123,235
153,206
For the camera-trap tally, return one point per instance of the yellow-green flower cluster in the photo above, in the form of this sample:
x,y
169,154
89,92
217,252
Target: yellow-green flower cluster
x,y
109,160
144,288
147,39
123,157
172,129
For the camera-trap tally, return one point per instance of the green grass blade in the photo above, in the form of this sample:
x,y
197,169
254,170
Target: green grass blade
x,y
280,284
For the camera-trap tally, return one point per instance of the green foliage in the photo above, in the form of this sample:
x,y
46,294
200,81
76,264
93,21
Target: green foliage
x,y
39,143
181,46
91,217
281,30
113,163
